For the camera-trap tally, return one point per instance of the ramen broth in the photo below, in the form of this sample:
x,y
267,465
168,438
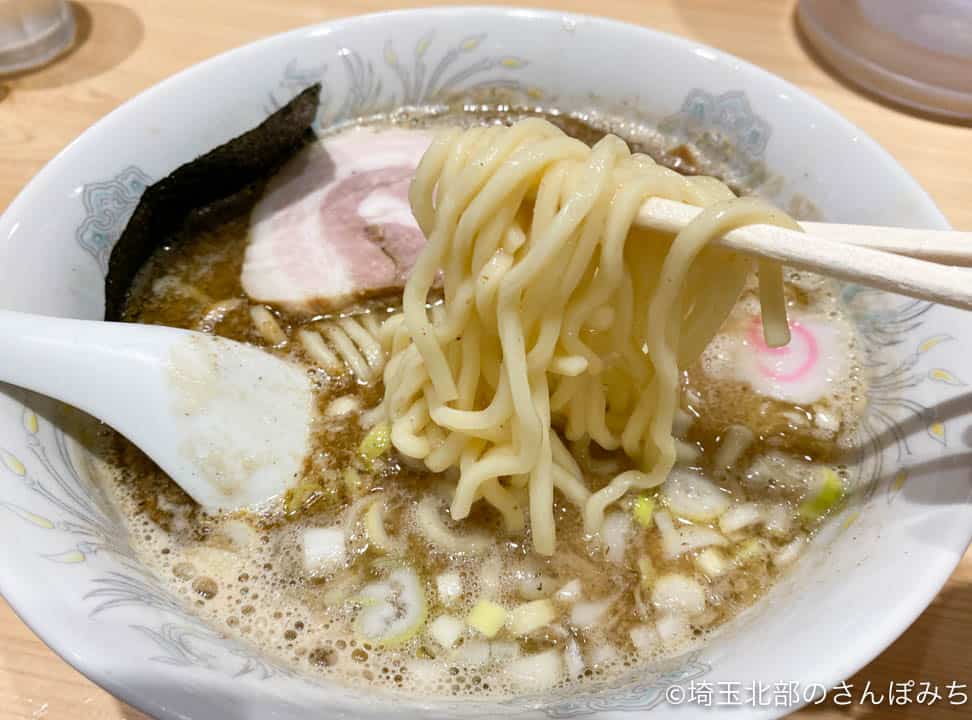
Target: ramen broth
x,y
486,616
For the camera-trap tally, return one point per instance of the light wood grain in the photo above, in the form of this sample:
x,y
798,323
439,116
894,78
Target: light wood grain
x,y
129,45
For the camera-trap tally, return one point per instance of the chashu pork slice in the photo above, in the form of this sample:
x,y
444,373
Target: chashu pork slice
x,y
335,223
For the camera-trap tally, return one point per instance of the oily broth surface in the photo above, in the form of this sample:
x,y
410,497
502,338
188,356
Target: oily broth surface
x,y
244,575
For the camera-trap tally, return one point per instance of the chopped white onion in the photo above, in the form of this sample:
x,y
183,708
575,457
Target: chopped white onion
x,y
679,540
241,534
787,554
712,562
532,584
585,615
693,537
449,587
472,652
614,534
740,516
446,630
825,421
573,659
535,673
644,637
503,650
736,440
603,654
570,592
794,419
694,497
490,576
670,537
678,593
785,471
369,418
778,519
673,628
531,616
323,550
342,406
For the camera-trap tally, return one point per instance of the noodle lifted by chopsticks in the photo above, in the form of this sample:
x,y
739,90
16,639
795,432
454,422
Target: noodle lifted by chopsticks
x,y
557,312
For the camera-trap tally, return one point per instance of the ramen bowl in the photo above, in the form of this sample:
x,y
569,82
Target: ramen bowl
x,y
67,566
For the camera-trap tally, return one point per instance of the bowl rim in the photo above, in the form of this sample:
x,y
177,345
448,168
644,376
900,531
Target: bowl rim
x,y
894,621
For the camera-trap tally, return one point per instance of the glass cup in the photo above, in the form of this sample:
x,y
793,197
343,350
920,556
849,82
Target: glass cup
x,y
33,32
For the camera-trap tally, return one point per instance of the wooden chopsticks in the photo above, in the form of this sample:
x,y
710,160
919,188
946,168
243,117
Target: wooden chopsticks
x,y
925,264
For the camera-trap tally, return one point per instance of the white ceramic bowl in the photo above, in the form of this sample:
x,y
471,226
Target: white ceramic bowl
x,y
65,564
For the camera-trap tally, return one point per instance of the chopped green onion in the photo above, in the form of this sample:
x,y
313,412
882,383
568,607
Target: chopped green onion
x,y
375,528
375,443
393,610
643,510
487,617
646,569
302,496
354,484
831,492
751,550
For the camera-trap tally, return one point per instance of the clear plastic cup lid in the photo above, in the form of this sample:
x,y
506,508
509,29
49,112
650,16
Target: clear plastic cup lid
x,y
33,32
916,53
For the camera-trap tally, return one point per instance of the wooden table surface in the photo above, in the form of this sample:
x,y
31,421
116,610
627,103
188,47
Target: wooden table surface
x,y
127,45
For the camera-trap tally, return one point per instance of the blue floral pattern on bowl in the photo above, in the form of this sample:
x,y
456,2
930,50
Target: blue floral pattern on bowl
x,y
108,206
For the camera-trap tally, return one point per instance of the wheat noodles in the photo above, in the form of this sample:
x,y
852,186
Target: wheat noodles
x,y
558,314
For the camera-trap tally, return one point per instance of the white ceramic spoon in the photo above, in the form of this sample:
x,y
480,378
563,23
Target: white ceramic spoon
x,y
226,421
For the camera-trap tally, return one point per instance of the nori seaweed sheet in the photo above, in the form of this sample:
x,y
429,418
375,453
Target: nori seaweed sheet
x,y
224,181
